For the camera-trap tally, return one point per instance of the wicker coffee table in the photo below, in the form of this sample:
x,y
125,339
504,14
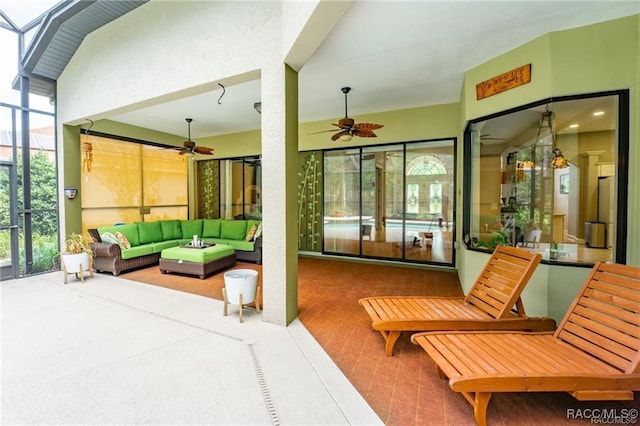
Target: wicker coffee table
x,y
200,261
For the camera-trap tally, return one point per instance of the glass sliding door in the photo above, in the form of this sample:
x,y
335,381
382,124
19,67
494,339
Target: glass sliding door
x,y
429,177
342,202
383,190
391,202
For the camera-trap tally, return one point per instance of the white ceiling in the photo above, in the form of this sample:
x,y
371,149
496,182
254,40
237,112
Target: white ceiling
x,y
393,54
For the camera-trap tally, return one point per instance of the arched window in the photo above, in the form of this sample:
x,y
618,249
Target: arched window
x,y
426,165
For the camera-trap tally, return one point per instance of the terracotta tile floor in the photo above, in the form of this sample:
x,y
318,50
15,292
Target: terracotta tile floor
x,y
403,389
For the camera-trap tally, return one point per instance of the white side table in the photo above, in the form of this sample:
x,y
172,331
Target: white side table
x,y
241,288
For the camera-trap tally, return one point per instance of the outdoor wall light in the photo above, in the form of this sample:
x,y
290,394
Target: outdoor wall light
x,y
70,193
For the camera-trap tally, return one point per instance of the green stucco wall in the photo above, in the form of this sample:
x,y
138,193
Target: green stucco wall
x,y
595,58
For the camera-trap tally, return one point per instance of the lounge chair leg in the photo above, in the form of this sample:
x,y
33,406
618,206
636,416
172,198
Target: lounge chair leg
x,y
391,337
480,407
440,373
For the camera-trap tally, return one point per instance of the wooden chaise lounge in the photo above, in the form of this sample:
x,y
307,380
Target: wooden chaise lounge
x,y
593,355
493,303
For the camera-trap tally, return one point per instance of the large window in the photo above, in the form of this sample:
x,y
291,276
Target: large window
x,y
131,182
550,177
391,202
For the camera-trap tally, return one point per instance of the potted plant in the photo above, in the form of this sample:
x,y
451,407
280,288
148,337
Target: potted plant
x,y
529,229
77,255
553,250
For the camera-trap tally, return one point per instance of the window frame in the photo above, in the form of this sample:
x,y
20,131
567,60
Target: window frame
x,y
622,171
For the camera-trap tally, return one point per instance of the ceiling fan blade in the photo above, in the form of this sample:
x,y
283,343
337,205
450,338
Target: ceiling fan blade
x,y
364,133
203,150
368,126
323,131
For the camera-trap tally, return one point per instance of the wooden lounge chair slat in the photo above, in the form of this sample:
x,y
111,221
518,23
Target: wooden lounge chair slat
x,y
619,332
489,305
548,351
594,354
414,307
612,294
596,350
616,311
495,287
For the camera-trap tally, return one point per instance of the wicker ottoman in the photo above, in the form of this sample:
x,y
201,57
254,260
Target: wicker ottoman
x,y
197,261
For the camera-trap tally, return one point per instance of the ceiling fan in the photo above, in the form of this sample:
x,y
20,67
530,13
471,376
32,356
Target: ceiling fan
x,y
348,128
190,148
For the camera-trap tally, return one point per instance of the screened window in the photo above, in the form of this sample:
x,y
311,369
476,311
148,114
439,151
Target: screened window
x,y
130,182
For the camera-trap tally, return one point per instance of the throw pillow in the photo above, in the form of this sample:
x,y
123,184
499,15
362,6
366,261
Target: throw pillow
x,y
124,242
251,233
108,237
258,232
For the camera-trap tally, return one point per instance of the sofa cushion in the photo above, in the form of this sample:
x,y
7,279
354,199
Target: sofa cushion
x,y
240,245
159,246
197,256
211,228
128,230
191,228
233,229
149,232
137,251
171,229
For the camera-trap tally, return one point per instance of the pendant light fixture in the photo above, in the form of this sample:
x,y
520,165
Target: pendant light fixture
x,y
558,161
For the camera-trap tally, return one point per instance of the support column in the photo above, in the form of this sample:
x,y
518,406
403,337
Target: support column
x,y
279,186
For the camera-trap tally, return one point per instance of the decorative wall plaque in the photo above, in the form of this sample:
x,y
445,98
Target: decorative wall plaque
x,y
504,82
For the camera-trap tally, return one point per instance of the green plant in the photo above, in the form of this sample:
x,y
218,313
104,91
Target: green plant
x,y
500,238
523,219
77,243
45,253
553,245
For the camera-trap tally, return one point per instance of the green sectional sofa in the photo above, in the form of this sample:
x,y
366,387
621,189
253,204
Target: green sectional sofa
x,y
123,247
